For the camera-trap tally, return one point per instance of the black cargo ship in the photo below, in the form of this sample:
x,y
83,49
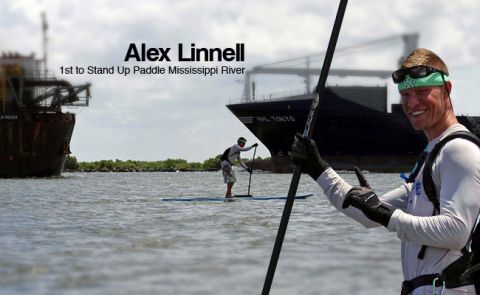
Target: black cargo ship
x,y
347,133
353,127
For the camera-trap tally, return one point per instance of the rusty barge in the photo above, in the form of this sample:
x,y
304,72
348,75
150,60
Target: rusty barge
x,y
35,133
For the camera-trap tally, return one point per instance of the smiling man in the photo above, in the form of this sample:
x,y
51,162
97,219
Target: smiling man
x,y
435,211
425,88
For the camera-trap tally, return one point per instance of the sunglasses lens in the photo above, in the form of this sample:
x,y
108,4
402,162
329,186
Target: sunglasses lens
x,y
414,72
418,72
398,76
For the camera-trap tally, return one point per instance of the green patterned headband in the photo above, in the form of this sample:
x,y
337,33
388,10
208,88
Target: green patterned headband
x,y
434,79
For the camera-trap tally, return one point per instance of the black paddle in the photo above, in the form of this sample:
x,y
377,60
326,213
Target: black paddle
x,y
363,182
308,132
251,168
361,178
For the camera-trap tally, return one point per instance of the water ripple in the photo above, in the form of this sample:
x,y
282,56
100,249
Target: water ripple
x,y
110,233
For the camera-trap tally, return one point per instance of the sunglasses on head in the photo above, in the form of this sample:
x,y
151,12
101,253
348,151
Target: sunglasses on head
x,y
414,72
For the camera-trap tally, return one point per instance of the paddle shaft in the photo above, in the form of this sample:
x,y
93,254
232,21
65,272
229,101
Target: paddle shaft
x,y
363,182
308,131
361,178
251,168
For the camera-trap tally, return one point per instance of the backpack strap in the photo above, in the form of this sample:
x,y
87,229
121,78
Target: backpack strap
x,y
416,169
429,186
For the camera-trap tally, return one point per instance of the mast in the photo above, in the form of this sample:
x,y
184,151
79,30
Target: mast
x,y
45,39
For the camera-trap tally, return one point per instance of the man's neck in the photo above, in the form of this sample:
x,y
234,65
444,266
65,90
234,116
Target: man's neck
x,y
440,127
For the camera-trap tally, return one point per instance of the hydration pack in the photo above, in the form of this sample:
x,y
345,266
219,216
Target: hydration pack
x,y
465,270
225,154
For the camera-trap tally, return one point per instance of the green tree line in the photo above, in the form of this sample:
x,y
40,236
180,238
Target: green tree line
x,y
168,165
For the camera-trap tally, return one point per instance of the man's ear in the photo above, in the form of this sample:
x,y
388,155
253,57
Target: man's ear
x,y
448,87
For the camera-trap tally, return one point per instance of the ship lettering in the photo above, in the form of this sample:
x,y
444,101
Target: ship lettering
x,y
151,54
212,54
282,118
262,119
100,70
8,117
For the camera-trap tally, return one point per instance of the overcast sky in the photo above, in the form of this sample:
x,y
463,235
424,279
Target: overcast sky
x,y
160,117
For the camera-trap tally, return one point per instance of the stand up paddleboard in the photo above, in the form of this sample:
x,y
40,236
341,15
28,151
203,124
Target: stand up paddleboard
x,y
236,198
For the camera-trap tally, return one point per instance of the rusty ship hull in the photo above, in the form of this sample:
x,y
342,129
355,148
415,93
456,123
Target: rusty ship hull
x,y
34,144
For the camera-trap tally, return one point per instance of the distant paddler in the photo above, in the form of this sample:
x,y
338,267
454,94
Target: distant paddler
x,y
229,156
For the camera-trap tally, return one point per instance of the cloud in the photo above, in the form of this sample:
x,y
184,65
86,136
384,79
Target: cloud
x,y
154,117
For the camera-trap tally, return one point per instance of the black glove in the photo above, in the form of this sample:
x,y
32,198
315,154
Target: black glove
x,y
305,153
255,145
368,202
249,170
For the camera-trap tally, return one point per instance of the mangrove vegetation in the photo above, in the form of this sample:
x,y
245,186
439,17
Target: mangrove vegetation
x,y
168,165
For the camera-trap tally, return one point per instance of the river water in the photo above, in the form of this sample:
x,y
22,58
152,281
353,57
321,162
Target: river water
x,y
111,233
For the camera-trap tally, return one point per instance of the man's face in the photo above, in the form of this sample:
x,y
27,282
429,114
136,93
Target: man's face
x,y
241,144
425,107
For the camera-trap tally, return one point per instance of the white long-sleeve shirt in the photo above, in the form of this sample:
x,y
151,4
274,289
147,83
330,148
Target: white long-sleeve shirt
x,y
234,154
456,176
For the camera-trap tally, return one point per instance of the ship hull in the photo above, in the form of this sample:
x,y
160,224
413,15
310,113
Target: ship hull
x,y
34,144
347,134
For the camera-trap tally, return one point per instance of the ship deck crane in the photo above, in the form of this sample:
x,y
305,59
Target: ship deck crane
x,y
410,42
